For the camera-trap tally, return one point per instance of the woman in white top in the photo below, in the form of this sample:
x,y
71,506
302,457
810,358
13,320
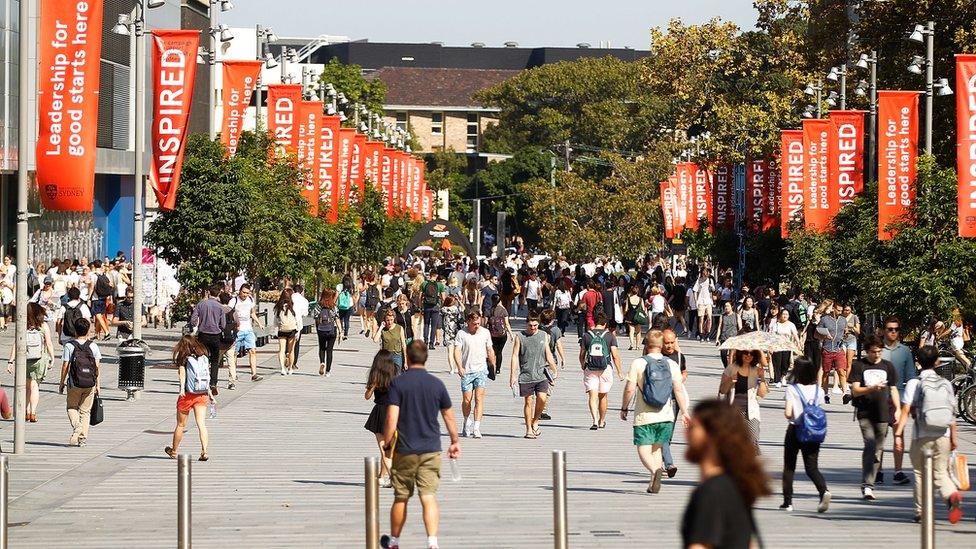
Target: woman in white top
x,y
287,321
743,384
659,305
562,301
805,389
958,336
782,359
749,315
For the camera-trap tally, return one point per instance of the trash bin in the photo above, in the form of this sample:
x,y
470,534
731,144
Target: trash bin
x,y
132,364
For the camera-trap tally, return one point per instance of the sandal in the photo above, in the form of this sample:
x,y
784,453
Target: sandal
x,y
170,452
531,436
204,457
322,370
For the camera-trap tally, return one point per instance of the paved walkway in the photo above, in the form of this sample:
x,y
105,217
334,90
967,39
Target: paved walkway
x,y
286,470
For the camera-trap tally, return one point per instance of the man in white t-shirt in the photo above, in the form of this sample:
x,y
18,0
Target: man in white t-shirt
x,y
245,312
75,308
533,291
473,353
653,427
691,302
703,298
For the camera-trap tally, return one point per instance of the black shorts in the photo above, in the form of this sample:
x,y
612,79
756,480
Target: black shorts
x,y
288,334
533,387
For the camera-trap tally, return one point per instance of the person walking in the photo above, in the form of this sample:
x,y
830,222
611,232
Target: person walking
x,y
452,318
670,349
67,316
416,398
654,421
531,356
832,333
635,316
475,356
301,305
208,318
743,385
40,355
804,393
374,294
598,353
729,324
749,316
901,358
704,288
499,328
929,399
874,384
851,334
191,359
287,323
345,303
432,292
719,511
391,337
563,303
81,362
378,380
782,359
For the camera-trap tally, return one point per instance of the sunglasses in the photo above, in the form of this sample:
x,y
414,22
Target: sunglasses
x,y
889,329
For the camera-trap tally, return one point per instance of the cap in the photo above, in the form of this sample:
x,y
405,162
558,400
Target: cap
x,y
49,279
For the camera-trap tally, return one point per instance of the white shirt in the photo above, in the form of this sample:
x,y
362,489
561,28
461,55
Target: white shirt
x,y
956,337
563,299
657,304
474,349
703,291
243,308
808,392
85,311
533,289
786,329
300,304
239,281
11,276
692,300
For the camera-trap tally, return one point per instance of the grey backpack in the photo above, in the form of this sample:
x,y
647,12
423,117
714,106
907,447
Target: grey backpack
x,y
935,406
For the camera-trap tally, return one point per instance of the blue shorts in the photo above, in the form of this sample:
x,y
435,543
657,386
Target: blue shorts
x,y
245,341
850,345
474,380
98,306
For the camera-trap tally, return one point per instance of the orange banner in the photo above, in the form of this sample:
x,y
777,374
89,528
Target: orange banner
x,y
239,80
357,175
722,196
966,143
816,179
374,152
328,167
846,158
418,187
686,187
757,172
667,208
791,178
897,157
703,196
174,66
310,113
386,179
677,208
346,138
771,211
283,104
69,48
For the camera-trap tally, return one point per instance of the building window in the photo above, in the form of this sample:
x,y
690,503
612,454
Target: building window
x,y
437,123
401,121
473,131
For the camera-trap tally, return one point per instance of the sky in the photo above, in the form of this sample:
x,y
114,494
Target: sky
x,y
494,22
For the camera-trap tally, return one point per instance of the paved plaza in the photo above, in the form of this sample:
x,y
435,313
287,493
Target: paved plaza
x,y
286,469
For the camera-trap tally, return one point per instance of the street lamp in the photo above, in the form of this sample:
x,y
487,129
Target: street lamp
x,y
264,36
840,73
832,99
943,86
816,90
221,33
870,88
926,33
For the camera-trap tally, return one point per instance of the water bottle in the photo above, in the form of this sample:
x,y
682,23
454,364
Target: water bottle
x,y
212,409
455,471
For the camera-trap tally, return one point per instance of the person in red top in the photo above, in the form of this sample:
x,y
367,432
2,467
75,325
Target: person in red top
x,y
589,302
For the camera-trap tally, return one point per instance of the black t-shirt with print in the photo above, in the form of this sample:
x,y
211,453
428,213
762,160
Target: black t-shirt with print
x,y
717,516
873,406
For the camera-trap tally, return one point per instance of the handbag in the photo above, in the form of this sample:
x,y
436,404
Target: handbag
x,y
959,470
97,414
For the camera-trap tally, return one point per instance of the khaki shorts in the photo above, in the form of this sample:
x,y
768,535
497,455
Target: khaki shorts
x,y
422,471
704,311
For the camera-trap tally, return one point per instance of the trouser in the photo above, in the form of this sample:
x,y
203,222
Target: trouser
x,y
79,405
581,325
326,345
531,306
666,447
811,453
498,344
693,322
724,353
874,435
344,316
298,343
562,319
941,450
781,364
212,343
432,321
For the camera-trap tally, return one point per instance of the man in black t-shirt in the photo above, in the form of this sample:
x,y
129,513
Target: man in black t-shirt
x,y
874,384
670,349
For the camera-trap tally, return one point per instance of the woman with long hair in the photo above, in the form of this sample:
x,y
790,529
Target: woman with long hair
x,y
452,319
749,315
471,296
811,345
373,293
562,301
499,329
851,334
192,362
417,305
40,354
781,359
391,337
287,322
719,512
328,328
804,389
381,373
743,385
729,324
346,302
633,304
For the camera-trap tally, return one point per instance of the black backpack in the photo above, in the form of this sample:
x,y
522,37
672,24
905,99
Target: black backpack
x,y
68,322
432,297
326,321
229,333
82,367
103,286
372,296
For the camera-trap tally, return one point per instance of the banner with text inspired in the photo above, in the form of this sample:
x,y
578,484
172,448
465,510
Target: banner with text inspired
x,y
69,48
685,172
966,143
817,136
357,175
678,208
791,177
310,113
386,179
846,163
174,68
346,138
897,157
703,197
328,166
374,152
757,176
240,79
667,208
283,105
722,196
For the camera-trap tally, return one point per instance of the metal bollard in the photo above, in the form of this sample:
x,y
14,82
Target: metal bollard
x,y
372,502
928,501
559,516
184,504
4,494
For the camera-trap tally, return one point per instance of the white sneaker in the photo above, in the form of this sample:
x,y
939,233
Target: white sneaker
x,y
824,503
868,493
779,384
385,482
476,433
464,432
836,391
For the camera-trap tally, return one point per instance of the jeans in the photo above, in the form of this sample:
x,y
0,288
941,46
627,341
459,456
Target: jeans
x,y
874,435
498,344
811,453
326,344
562,319
666,447
940,467
693,322
344,316
432,321
212,343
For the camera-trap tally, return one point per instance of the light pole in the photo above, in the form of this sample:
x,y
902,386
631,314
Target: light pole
x,y
816,90
134,27
840,73
23,117
218,33
264,36
926,33
870,61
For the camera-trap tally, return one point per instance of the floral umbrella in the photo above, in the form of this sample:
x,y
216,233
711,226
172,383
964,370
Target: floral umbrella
x,y
760,341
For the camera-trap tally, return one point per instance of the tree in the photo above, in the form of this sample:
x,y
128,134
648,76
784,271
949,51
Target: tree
x,y
348,80
445,171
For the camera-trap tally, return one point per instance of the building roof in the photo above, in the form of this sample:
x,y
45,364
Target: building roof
x,y
437,87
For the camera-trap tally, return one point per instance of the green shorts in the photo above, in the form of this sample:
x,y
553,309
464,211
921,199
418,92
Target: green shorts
x,y
653,433
422,471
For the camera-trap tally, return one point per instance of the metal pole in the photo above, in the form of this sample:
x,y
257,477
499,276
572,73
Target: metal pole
x,y
928,501
843,86
259,33
569,167
211,116
4,495
929,61
184,521
873,117
476,225
559,516
23,132
819,98
372,502
140,131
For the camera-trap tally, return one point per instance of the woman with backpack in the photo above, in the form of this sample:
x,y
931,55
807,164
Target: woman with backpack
x,y
381,373
804,398
192,362
635,316
373,295
328,328
743,385
499,328
40,353
287,322
345,303
471,296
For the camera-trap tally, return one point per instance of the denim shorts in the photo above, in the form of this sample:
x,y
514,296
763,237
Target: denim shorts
x,y
245,341
850,345
98,306
474,380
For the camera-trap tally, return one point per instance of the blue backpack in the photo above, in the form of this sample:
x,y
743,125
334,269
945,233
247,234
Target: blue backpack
x,y
658,387
812,427
197,375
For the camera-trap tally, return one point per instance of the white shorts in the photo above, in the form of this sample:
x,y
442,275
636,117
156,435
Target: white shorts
x,y
704,310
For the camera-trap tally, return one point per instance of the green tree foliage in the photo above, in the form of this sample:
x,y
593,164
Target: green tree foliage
x,y
446,170
348,80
